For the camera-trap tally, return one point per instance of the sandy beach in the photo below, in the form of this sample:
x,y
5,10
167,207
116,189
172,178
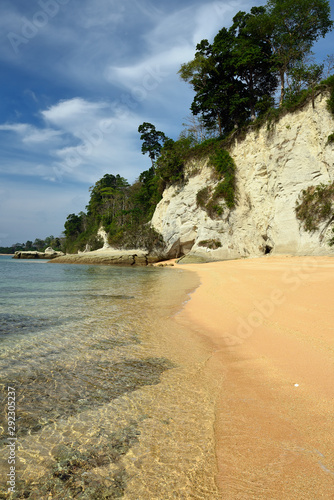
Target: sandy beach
x,y
270,325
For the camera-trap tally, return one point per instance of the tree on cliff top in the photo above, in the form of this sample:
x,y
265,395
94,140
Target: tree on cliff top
x,y
292,27
231,76
153,140
235,77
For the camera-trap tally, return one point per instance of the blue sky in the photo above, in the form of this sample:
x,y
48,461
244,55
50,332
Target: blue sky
x,y
77,79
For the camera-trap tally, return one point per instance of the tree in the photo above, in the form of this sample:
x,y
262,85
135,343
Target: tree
x,y
170,165
252,59
292,27
28,246
211,74
72,226
39,244
103,191
302,77
196,130
153,140
232,78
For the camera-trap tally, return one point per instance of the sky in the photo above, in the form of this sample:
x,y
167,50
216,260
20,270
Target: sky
x,y
77,79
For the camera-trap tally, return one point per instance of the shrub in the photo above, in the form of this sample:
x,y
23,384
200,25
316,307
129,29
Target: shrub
x,y
170,165
212,244
330,138
225,168
202,197
330,84
315,205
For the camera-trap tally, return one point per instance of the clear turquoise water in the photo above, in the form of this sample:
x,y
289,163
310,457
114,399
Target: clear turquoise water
x,y
111,401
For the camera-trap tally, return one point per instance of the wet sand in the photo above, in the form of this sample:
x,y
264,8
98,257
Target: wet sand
x,y
270,325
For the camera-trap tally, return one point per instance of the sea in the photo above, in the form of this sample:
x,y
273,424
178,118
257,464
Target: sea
x,y
104,392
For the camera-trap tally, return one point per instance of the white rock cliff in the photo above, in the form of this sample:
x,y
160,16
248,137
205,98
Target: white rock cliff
x,y
274,164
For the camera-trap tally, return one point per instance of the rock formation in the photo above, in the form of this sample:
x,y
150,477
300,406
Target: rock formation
x,y
49,253
102,235
274,164
110,257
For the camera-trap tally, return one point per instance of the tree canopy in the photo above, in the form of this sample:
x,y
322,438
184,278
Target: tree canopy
x,y
292,27
235,77
153,140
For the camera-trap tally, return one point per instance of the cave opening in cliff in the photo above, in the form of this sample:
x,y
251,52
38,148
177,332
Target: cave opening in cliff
x,y
268,249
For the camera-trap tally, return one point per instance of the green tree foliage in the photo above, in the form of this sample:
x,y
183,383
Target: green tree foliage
x,y
315,206
302,80
122,209
38,245
252,57
153,140
292,27
106,195
29,245
196,130
72,225
330,104
170,164
231,77
235,77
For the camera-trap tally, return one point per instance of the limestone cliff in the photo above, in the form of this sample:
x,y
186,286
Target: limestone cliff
x,y
274,164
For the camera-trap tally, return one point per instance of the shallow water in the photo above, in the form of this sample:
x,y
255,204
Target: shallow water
x,y
112,396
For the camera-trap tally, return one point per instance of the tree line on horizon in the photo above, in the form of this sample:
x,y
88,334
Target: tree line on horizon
x,y
38,245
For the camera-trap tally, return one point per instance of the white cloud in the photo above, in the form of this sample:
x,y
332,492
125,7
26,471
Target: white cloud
x,y
68,114
171,42
20,128
81,141
39,136
30,134
210,18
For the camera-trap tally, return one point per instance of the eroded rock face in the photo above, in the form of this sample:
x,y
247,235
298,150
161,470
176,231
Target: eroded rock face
x,y
110,257
274,164
102,235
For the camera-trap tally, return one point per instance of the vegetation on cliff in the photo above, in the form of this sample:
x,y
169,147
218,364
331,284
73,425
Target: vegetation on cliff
x,y
236,77
264,56
315,207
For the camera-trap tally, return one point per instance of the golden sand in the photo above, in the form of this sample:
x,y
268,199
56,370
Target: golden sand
x,y
270,322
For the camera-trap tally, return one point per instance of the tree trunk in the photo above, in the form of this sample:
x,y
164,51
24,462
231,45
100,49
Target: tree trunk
x,y
220,125
282,74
